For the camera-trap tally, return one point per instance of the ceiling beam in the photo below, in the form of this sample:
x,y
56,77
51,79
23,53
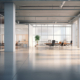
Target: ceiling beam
x,y
33,0
42,9
74,18
48,6
47,9
43,22
46,16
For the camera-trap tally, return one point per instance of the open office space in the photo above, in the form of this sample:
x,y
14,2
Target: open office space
x,y
39,40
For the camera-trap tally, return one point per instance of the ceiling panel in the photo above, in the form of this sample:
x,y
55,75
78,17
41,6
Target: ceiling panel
x,y
26,15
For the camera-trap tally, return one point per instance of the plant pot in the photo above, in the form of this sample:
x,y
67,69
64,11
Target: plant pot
x,y
36,45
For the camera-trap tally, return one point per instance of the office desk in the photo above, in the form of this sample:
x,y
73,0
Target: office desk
x,y
50,43
57,43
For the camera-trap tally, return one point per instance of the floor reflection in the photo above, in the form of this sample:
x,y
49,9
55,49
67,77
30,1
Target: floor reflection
x,y
40,64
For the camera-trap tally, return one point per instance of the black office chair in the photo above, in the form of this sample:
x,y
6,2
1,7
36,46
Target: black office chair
x,y
62,44
71,42
53,43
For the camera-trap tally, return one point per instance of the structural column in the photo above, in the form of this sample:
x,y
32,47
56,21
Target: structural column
x,y
79,32
74,34
9,29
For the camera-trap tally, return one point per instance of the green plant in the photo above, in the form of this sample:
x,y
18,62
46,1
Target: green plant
x,y
37,38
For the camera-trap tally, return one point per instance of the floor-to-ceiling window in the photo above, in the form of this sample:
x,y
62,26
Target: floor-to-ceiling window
x,y
52,32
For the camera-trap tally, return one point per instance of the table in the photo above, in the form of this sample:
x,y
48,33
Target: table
x,y
57,43
50,43
24,45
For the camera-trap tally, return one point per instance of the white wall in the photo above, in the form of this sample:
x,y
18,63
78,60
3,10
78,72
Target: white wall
x,y
30,35
75,33
78,23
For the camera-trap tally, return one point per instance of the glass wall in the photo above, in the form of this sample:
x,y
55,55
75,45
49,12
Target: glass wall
x,y
21,36
52,32
1,33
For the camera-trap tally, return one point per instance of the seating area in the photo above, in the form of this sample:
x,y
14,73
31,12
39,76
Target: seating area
x,y
55,43
21,45
17,45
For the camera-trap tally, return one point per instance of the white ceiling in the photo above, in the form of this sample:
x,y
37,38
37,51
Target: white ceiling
x,y
32,11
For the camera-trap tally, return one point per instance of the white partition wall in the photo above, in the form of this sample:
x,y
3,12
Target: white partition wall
x,y
75,33
78,32
9,29
30,35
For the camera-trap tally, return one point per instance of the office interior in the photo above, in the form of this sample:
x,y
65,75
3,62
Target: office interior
x,y
50,23
56,56
25,34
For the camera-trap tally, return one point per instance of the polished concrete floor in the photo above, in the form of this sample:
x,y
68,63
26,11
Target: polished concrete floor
x,y
41,63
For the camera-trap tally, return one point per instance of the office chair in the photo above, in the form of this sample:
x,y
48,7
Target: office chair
x,y
71,42
53,43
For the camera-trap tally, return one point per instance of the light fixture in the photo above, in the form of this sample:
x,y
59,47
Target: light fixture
x,y
62,4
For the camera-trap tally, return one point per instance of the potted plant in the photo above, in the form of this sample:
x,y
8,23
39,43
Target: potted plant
x,y
37,38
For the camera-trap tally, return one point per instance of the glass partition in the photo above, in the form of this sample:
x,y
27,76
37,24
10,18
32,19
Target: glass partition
x,y
21,36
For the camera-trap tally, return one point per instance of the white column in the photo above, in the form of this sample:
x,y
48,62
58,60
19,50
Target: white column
x,y
9,29
74,34
30,35
71,31
79,33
